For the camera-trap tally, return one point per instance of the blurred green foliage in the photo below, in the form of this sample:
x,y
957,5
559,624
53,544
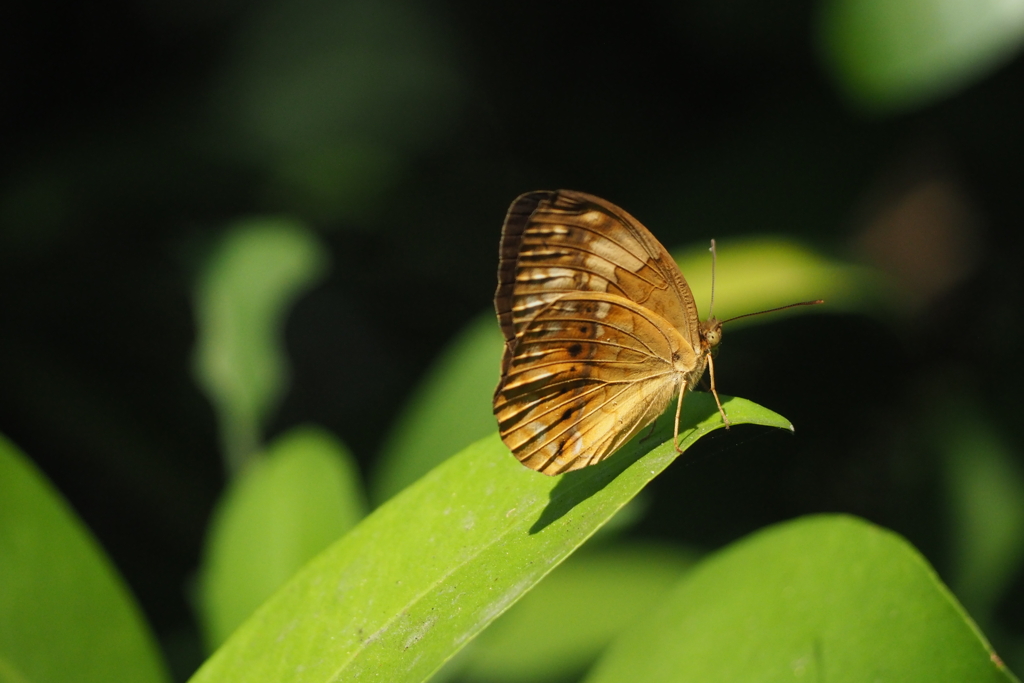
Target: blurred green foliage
x,y
986,499
449,410
250,145
758,273
241,301
336,98
891,55
286,507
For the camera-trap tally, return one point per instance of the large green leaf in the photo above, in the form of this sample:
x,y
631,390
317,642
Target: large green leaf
x,y
450,409
409,586
562,625
261,266
65,614
283,510
898,54
826,598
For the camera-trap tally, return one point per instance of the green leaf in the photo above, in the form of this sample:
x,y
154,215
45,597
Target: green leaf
x,y
450,409
65,614
562,625
429,569
888,55
241,300
986,496
283,510
757,273
826,598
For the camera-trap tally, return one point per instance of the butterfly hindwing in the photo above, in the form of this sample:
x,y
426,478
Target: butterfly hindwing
x,y
583,374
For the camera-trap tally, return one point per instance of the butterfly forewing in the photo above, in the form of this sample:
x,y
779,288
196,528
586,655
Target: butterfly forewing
x,y
588,371
562,241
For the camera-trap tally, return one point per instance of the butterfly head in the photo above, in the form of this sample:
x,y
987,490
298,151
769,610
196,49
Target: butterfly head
x,y
711,333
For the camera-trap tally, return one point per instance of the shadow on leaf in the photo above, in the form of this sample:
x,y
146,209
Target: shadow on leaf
x,y
575,487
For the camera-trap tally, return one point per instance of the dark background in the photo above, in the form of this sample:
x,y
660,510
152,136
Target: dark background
x,y
134,132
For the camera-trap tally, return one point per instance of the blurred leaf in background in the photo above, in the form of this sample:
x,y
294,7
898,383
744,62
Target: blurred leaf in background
x,y
757,273
65,613
827,598
286,507
251,280
334,99
985,489
889,55
448,410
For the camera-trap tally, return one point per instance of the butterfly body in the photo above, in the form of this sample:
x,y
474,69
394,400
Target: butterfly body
x,y
601,330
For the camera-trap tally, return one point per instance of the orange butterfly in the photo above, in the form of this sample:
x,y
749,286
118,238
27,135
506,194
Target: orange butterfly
x,y
601,331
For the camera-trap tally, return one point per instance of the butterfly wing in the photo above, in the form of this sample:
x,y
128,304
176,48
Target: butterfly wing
x,y
586,373
599,324
561,241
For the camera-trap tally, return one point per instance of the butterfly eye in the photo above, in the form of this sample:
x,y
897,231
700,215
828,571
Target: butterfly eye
x,y
713,336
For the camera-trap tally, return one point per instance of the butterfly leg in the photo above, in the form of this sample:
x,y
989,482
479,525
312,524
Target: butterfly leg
x,y
714,392
679,408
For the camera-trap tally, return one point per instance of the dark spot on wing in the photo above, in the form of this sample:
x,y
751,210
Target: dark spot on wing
x,y
575,350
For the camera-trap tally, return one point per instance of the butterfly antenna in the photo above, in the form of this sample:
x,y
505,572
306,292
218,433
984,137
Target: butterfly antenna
x,y
780,308
714,258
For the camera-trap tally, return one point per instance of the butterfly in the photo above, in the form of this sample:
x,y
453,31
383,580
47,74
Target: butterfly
x,y
601,331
